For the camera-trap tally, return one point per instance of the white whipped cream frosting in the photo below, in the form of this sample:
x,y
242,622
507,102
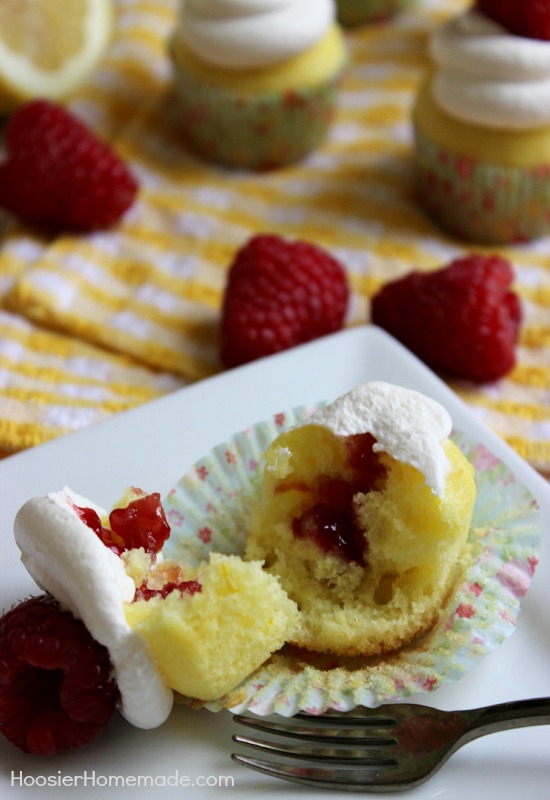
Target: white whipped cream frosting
x,y
68,560
487,76
406,424
247,34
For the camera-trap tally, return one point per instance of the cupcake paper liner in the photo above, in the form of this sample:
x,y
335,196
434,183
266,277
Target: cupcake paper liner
x,y
207,510
358,12
253,131
482,202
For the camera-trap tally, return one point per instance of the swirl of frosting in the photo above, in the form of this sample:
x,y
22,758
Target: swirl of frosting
x,y
487,76
245,34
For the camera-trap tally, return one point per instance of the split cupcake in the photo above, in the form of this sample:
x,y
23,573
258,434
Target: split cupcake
x,y
256,82
482,126
120,626
364,515
359,12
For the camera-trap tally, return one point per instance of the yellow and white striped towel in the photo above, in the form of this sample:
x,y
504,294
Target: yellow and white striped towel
x,y
146,295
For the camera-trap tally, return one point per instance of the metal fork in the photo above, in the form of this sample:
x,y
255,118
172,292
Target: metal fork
x,y
384,749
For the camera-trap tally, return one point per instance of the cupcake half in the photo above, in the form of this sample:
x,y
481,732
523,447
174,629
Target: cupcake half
x,y
363,515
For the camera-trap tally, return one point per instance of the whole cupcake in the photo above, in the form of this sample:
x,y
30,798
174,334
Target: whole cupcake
x,y
359,12
482,124
256,80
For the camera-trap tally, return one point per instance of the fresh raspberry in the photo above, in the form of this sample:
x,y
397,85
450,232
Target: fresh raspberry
x,y
57,689
59,175
462,319
530,18
279,294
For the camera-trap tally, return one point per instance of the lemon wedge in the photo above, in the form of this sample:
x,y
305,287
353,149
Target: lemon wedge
x,y
48,48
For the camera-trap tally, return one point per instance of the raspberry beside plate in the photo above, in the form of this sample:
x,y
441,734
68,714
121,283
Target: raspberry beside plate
x,y
280,294
59,175
462,319
57,689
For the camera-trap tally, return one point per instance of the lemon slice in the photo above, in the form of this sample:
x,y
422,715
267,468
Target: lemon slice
x,y
48,48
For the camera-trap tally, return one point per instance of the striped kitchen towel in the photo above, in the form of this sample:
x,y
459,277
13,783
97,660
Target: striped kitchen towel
x,y
148,292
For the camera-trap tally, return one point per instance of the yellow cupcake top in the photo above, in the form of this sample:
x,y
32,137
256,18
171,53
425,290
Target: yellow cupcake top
x,y
511,148
317,64
487,96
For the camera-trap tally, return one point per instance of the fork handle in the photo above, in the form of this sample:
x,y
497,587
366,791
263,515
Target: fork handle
x,y
505,716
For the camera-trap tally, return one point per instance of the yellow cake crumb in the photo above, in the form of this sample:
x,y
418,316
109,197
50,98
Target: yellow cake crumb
x,y
206,643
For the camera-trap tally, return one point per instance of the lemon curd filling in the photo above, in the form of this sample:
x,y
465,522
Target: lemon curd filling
x,y
310,68
511,148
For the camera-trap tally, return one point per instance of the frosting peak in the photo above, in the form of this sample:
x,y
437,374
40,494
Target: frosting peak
x,y
406,424
488,76
245,34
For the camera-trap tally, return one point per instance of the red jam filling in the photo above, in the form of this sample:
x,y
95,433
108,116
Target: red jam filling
x,y
330,521
141,524
185,588
110,539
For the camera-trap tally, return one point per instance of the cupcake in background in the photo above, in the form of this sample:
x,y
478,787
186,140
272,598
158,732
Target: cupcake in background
x,y
256,81
482,124
359,12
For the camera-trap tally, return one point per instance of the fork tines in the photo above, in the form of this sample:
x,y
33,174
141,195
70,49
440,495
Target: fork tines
x,y
393,747
334,741
326,729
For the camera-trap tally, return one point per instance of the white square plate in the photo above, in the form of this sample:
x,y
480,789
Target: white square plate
x,y
151,447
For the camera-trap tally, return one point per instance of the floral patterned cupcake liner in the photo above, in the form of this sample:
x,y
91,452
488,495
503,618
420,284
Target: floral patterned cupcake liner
x,y
482,202
252,131
358,12
207,510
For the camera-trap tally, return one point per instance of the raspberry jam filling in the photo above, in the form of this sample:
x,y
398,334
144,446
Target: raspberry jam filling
x,y
110,539
330,521
142,523
185,588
